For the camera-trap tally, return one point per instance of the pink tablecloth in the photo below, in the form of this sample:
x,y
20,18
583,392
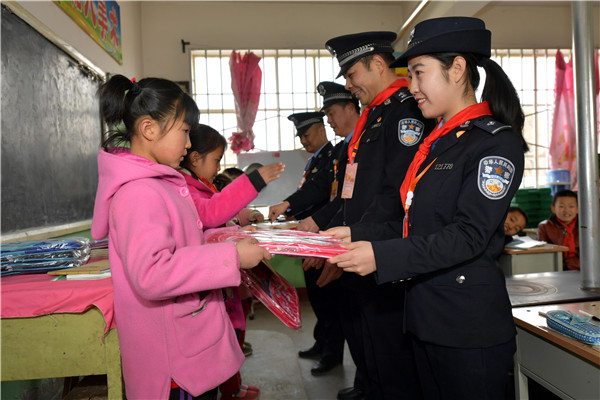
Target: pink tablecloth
x,y
35,295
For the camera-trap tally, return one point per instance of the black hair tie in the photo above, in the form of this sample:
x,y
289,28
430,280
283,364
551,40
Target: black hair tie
x,y
135,88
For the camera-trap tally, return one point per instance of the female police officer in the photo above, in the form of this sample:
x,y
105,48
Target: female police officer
x,y
456,194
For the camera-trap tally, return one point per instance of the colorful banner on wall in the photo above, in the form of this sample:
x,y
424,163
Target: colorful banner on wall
x,y
100,19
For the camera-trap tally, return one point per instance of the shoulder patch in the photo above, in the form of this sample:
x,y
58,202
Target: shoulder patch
x,y
495,176
410,131
490,125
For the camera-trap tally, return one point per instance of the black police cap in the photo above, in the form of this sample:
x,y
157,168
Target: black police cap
x,y
335,93
305,120
348,49
447,34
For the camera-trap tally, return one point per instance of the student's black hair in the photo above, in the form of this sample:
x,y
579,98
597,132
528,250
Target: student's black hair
x,y
222,180
233,172
563,193
123,102
521,211
205,139
498,90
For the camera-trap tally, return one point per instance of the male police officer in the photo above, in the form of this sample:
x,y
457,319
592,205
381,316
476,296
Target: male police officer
x,y
383,144
342,112
313,193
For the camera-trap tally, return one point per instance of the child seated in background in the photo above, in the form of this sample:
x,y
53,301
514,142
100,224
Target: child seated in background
x,y
216,208
562,228
516,220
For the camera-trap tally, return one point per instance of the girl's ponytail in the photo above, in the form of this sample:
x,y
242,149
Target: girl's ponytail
x,y
503,98
123,102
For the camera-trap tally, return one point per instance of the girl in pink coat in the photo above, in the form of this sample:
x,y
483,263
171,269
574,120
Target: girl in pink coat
x,y
169,309
215,208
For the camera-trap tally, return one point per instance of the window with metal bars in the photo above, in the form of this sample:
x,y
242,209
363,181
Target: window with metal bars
x,y
289,81
289,85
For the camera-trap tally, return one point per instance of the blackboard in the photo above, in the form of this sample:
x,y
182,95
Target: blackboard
x,y
51,131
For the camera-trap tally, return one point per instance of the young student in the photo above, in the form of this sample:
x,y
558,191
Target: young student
x,y
516,220
199,168
562,227
456,194
167,281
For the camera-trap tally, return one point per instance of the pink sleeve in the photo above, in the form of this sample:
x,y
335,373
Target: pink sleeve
x,y
223,206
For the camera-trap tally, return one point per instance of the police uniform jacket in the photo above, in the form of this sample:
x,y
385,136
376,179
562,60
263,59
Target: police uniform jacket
x,y
323,216
314,192
391,138
456,295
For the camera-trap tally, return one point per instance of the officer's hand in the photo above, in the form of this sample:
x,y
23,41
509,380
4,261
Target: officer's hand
x,y
329,274
271,172
359,258
314,262
250,254
308,225
278,209
340,232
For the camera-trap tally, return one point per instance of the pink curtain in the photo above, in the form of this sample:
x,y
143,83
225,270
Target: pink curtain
x,y
563,147
246,78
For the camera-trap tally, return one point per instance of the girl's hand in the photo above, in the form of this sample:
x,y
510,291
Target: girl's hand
x,y
248,228
271,172
359,259
340,232
250,254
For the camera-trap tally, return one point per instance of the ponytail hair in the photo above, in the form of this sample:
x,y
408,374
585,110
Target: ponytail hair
x,y
503,98
498,91
123,102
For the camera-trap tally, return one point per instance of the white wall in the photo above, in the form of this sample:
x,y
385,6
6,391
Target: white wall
x,y
61,25
153,47
228,25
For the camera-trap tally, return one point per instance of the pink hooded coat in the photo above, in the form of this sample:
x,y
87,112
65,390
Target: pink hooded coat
x,y
216,209
169,309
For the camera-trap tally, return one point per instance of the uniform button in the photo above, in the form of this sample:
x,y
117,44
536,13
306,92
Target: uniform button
x,y
460,278
184,191
199,223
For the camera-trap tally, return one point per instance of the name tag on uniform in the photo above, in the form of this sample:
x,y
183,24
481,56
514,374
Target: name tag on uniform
x,y
349,179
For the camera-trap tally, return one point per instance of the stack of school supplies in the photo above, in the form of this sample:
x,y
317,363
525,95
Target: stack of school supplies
x,y
99,249
41,256
87,272
286,242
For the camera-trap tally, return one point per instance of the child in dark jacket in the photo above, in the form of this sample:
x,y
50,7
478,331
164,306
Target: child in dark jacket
x,y
562,227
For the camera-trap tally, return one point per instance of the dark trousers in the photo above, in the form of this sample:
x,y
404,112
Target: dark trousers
x,y
391,371
180,394
458,373
328,335
351,327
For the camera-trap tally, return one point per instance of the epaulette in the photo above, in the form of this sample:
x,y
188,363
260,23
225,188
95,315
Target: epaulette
x,y
403,94
490,125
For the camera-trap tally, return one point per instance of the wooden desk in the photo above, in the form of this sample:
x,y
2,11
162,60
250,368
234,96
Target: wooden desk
x,y
60,338
546,258
566,367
